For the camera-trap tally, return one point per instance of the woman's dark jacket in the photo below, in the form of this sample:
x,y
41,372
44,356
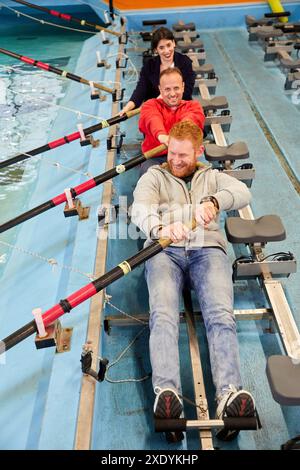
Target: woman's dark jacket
x,y
147,86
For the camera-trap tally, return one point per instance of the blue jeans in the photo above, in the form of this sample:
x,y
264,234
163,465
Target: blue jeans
x,y
209,273
152,161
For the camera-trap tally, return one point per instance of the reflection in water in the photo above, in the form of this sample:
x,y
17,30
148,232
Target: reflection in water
x,y
25,120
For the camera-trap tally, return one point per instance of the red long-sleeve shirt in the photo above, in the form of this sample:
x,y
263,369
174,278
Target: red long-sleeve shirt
x,y
157,118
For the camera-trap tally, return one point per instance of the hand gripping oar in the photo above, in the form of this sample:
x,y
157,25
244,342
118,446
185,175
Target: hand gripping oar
x,y
67,17
50,68
81,188
69,138
89,290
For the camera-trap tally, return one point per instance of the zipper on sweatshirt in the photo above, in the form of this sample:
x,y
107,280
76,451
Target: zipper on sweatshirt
x,y
188,186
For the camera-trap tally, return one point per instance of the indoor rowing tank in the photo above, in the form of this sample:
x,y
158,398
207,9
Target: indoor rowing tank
x,y
47,400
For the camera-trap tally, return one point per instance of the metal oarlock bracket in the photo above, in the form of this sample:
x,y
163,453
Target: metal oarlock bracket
x,y
87,139
55,336
107,215
124,38
74,207
86,363
107,20
96,94
119,64
101,62
118,95
104,38
117,145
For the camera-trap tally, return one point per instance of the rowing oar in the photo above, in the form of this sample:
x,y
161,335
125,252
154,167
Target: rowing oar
x,y
89,290
69,138
67,17
81,188
50,68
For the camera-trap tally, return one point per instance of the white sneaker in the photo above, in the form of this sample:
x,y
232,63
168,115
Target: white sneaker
x,y
234,404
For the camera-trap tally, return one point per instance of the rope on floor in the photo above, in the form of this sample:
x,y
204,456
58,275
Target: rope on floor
x,y
59,165
43,22
51,261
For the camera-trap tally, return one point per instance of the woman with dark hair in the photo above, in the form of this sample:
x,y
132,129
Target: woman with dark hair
x,y
163,44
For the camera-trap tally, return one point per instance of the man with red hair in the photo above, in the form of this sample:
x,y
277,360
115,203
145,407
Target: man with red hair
x,y
166,199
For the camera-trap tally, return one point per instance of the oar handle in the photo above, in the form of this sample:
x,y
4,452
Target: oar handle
x,y
97,85
109,31
134,112
155,151
164,242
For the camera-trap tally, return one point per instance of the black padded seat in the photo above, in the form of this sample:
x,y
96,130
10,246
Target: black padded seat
x,y
251,21
284,380
197,44
267,228
266,32
219,102
205,68
232,152
184,27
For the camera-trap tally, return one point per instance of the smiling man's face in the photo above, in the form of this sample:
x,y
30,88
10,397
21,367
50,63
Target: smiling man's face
x,y
171,88
182,157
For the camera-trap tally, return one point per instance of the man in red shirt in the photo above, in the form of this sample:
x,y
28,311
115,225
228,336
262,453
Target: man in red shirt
x,y
158,115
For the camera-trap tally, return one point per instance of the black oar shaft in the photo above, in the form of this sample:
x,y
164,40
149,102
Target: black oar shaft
x,y
83,294
22,156
18,336
88,291
50,68
66,17
68,138
107,175
26,216
81,188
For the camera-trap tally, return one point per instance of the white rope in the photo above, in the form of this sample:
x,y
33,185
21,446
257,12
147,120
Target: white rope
x,y
76,111
135,72
59,165
51,261
108,379
18,13
107,301
133,42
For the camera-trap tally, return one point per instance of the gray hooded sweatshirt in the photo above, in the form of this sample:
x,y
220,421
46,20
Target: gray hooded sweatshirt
x,y
161,198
